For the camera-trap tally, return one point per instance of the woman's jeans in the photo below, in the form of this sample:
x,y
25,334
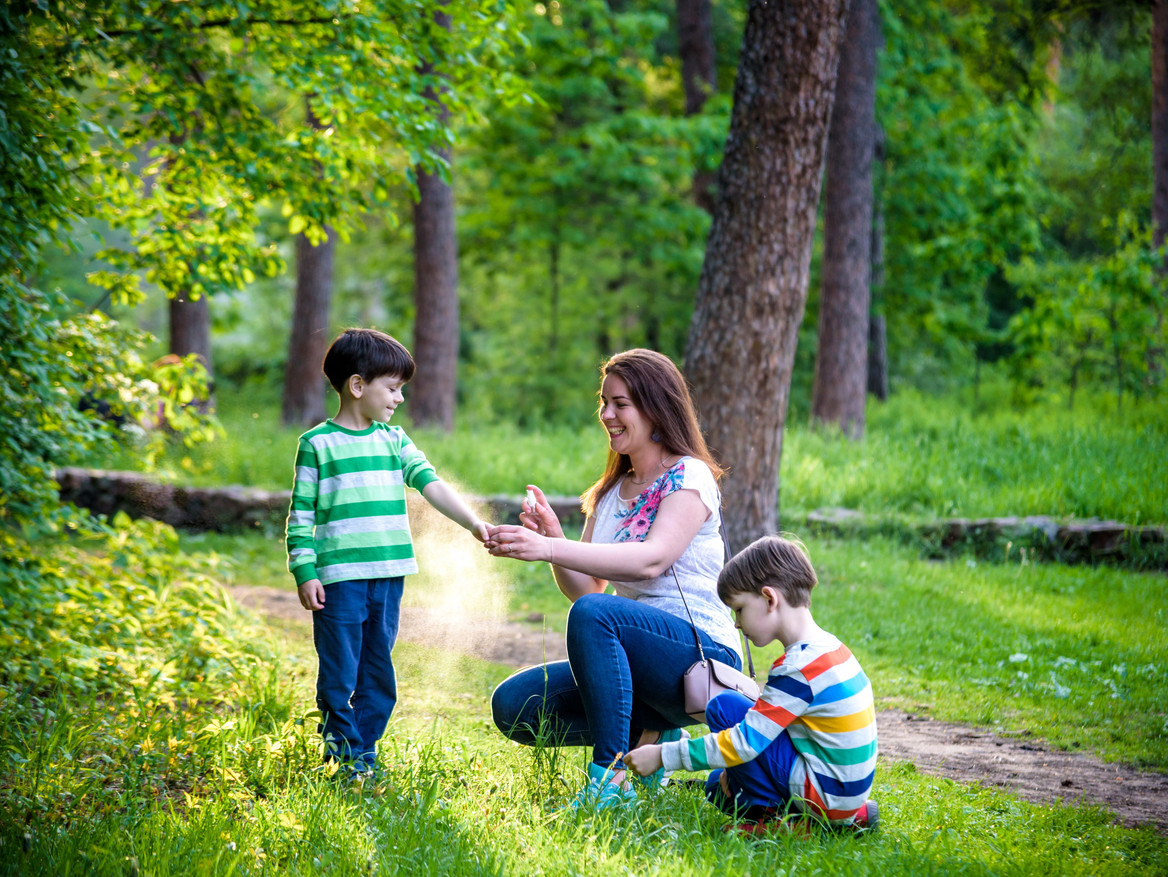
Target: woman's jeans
x,y
356,689
756,786
622,676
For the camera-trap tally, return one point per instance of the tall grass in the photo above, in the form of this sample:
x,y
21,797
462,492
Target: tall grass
x,y
212,766
921,457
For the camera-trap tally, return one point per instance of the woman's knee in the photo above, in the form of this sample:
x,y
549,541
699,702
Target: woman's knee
x,y
507,711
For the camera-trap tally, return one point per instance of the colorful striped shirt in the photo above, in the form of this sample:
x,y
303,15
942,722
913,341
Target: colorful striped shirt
x,y
348,514
817,694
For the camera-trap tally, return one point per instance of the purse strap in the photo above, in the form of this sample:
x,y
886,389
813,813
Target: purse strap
x,y
685,603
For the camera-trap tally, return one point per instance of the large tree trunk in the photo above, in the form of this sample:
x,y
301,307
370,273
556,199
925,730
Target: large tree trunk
x,y
699,77
304,386
753,285
433,389
841,359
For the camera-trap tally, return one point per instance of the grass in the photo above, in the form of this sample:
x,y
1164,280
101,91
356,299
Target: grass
x,y
1070,654
166,777
462,801
922,457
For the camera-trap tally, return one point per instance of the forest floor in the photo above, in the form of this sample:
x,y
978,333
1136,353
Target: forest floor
x,y
1024,767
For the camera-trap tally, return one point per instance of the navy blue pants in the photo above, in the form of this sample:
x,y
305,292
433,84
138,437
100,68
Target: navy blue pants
x,y
356,689
622,676
761,783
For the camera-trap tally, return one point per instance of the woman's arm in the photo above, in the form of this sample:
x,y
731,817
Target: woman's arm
x,y
679,517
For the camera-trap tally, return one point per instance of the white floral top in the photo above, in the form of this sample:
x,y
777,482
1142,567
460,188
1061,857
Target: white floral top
x,y
697,569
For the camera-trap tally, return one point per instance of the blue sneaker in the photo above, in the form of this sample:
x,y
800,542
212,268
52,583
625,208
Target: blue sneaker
x,y
601,793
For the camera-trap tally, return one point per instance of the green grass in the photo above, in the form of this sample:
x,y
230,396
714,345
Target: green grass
x,y
1071,654
462,801
922,457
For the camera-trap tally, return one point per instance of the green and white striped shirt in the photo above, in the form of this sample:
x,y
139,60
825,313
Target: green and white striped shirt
x,y
348,515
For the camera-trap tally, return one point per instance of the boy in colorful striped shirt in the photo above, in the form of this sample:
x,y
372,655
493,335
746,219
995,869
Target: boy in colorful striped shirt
x,y
808,745
349,543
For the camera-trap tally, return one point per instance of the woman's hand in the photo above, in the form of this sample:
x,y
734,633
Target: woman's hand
x,y
539,516
520,543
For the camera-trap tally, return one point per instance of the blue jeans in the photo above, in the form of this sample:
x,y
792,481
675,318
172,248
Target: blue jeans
x,y
356,689
761,783
622,676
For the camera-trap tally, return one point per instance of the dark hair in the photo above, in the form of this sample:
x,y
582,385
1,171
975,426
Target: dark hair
x,y
771,561
368,353
659,391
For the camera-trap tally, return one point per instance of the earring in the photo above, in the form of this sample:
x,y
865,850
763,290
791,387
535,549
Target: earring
x,y
655,437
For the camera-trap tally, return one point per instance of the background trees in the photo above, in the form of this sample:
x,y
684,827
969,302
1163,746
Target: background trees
x,y
754,279
1013,206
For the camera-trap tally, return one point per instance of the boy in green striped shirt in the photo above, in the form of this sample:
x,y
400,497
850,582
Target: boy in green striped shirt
x,y
349,543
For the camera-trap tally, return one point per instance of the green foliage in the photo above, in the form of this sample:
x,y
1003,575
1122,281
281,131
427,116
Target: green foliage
x,y
1097,320
49,365
958,186
580,212
203,105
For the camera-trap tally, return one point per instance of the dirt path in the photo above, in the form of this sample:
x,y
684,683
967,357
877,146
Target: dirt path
x,y
963,753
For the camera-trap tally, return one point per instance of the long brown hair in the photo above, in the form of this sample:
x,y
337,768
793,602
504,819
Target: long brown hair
x,y
659,391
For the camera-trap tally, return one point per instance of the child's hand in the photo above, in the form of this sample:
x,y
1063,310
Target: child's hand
x,y
481,531
311,595
644,759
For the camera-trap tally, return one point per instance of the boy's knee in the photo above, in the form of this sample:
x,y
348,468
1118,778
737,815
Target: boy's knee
x,y
726,710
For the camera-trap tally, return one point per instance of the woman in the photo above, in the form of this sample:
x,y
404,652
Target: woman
x,y
653,524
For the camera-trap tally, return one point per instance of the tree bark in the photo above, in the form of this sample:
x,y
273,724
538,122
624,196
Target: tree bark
x,y
304,384
753,285
433,390
699,77
841,359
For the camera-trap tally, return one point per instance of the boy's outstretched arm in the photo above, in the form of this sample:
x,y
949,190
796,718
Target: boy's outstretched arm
x,y
446,500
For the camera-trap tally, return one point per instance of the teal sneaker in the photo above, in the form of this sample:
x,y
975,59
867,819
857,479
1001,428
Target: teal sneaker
x,y
601,793
660,777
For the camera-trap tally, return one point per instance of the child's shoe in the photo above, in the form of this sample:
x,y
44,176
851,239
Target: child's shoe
x,y
601,793
868,818
772,824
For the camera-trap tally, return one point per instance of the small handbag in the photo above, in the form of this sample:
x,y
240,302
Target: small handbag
x,y
707,678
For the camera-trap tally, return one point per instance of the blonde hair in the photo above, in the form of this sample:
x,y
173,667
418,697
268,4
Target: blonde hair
x,y
772,561
659,391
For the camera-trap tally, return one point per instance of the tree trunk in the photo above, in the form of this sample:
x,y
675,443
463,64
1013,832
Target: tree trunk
x,y
841,359
753,285
699,77
433,389
304,385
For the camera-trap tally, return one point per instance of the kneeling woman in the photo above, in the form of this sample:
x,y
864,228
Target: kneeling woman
x,y
653,526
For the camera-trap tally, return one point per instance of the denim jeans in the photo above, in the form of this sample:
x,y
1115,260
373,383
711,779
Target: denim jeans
x,y
763,783
356,689
622,676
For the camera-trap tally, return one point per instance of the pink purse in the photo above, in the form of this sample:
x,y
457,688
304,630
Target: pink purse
x,y
707,678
